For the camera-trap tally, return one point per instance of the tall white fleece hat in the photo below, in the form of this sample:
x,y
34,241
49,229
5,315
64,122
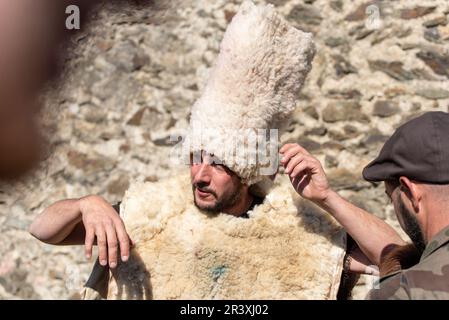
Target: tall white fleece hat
x,y
253,86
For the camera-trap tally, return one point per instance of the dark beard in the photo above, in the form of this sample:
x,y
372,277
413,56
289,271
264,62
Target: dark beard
x,y
221,204
411,227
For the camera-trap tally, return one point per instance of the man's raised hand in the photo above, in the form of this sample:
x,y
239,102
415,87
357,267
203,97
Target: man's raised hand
x,y
305,172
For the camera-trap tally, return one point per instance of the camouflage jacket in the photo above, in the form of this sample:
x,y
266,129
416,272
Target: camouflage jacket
x,y
429,279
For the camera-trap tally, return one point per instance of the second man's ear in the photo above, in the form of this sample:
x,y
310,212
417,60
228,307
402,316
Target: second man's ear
x,y
411,190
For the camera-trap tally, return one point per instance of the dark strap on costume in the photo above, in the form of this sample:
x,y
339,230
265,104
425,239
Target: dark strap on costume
x,y
117,207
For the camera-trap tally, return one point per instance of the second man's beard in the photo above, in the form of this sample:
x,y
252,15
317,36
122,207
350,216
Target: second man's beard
x,y
412,227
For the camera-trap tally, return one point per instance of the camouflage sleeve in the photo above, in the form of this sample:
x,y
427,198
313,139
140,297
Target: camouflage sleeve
x,y
391,288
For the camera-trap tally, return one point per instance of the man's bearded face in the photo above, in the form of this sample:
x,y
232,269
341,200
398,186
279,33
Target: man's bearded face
x,y
408,221
215,187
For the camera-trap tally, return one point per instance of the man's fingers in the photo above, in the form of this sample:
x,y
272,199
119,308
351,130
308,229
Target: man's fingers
x,y
288,146
297,180
123,238
301,149
102,246
289,153
285,147
112,245
309,163
297,159
89,242
292,152
304,180
304,165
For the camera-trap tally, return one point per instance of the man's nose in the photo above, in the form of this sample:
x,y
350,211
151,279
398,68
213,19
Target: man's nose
x,y
203,175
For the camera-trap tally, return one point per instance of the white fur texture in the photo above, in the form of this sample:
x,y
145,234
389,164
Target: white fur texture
x,y
261,67
285,250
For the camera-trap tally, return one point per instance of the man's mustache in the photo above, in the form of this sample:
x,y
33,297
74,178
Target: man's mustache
x,y
205,189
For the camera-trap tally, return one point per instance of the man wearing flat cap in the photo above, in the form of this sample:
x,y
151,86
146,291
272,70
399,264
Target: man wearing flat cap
x,y
414,166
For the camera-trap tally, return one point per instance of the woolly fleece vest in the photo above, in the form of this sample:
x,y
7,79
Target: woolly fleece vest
x,y
286,249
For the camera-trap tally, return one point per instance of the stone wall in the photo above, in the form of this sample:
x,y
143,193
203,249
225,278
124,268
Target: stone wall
x,y
134,71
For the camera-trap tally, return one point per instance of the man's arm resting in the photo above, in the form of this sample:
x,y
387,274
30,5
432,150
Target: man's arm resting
x,y
89,220
58,221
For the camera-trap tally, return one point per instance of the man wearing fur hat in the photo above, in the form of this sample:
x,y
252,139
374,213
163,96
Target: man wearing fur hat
x,y
239,234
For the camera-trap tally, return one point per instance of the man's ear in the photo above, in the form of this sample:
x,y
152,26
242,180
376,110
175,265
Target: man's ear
x,y
412,191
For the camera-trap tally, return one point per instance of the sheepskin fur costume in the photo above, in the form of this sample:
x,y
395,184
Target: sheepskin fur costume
x,y
262,65
286,249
